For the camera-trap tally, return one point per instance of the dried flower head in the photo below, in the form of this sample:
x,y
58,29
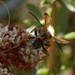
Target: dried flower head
x,y
16,48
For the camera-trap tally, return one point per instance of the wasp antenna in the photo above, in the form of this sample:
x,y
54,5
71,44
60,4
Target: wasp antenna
x,y
8,15
7,11
59,46
35,18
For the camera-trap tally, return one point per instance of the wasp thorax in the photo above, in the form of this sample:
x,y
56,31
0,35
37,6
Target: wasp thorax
x,y
46,35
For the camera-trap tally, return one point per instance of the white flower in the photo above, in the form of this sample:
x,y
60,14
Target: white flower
x,y
10,74
5,70
22,49
28,51
23,34
26,58
18,39
33,58
5,29
7,36
14,30
34,52
12,40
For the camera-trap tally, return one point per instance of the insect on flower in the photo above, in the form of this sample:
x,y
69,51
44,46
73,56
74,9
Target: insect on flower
x,y
24,50
44,37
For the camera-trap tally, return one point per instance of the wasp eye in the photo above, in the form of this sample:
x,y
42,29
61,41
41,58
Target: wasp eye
x,y
45,36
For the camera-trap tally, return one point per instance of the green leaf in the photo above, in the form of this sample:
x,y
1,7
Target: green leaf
x,y
62,18
32,8
31,22
42,71
70,36
45,2
70,4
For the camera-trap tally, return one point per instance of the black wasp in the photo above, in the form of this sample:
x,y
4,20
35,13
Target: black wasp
x,y
43,36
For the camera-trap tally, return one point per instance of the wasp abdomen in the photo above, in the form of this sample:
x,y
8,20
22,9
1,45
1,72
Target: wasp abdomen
x,y
37,43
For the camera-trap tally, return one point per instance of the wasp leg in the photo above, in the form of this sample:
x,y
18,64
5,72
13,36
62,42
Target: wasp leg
x,y
45,51
47,45
59,46
32,37
35,31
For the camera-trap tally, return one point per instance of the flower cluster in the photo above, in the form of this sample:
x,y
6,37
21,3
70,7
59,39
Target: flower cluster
x,y
16,48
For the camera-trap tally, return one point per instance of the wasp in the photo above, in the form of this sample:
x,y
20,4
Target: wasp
x,y
43,36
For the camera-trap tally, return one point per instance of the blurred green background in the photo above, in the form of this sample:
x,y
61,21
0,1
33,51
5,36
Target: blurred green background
x,y
63,22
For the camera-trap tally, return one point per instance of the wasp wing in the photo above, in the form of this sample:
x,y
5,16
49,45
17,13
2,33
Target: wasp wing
x,y
47,20
59,40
